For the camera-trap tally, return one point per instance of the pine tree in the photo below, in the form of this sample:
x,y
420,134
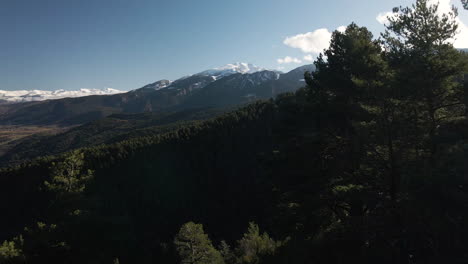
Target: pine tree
x,y
227,253
11,252
194,246
68,176
253,245
418,45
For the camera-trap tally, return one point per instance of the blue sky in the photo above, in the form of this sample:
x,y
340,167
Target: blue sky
x,y
125,44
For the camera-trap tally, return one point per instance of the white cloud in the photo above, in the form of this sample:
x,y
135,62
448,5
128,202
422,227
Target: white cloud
x,y
341,29
382,18
311,42
288,59
445,6
308,58
461,39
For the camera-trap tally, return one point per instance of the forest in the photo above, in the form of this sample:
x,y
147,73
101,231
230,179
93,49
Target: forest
x,y
365,164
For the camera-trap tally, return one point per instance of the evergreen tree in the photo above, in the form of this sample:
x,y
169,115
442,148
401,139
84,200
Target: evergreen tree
x,y
418,46
367,164
253,245
227,253
194,246
430,98
11,252
68,176
352,80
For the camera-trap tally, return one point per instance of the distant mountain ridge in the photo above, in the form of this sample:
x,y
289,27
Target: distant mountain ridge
x,y
20,96
231,85
157,85
216,73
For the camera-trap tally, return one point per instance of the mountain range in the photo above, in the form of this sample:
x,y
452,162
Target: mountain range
x,y
233,84
21,96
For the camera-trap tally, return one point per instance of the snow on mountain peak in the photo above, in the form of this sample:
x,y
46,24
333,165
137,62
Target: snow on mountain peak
x,y
158,85
40,95
241,67
232,68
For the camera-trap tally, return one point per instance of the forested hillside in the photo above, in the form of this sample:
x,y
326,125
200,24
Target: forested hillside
x,y
365,164
112,129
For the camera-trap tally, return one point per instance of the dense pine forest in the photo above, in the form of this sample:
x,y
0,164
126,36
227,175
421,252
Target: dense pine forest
x,y
365,164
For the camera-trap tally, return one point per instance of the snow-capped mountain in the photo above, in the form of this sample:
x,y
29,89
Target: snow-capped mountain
x,y
158,85
233,68
237,87
196,81
201,79
250,74
41,95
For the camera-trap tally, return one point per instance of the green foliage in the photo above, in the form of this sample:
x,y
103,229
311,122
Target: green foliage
x,y
367,164
253,245
227,253
427,68
37,244
420,26
42,239
10,251
195,247
109,130
68,176
352,67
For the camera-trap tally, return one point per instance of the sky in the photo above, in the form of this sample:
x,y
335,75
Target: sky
x,y
125,44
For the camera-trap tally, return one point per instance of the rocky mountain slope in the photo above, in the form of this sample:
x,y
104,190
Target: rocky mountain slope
x,y
234,84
